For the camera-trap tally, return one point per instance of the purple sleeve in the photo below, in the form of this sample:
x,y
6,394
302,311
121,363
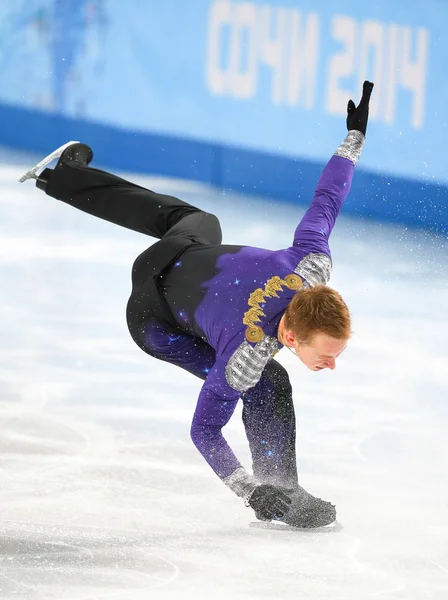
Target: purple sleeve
x,y
315,228
216,404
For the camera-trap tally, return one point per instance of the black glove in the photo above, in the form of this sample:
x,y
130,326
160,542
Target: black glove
x,y
357,116
269,501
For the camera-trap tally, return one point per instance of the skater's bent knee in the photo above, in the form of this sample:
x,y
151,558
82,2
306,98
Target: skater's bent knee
x,y
209,230
201,227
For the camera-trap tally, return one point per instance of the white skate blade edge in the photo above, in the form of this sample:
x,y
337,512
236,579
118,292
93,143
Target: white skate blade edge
x,y
31,174
279,526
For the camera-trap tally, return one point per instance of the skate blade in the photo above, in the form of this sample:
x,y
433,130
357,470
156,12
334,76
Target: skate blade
x,y
279,526
31,174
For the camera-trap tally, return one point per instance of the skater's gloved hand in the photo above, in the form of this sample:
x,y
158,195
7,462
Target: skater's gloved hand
x,y
269,501
357,116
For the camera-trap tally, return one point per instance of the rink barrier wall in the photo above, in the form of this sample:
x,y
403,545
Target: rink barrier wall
x,y
384,198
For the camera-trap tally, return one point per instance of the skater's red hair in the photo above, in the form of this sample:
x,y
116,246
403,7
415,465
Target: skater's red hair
x,y
318,309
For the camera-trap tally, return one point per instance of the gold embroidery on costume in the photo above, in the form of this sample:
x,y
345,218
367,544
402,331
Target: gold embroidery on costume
x,y
293,281
273,286
256,297
252,315
254,333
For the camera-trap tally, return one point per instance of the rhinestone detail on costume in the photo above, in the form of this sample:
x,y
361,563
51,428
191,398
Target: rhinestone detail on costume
x,y
246,365
314,268
352,146
241,483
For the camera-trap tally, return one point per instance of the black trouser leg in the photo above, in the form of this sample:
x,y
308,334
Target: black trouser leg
x,y
114,199
269,420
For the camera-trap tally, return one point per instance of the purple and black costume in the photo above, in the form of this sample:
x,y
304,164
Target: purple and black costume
x,y
214,309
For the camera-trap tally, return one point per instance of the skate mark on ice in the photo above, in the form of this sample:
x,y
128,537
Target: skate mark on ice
x,y
62,564
30,413
438,565
363,568
33,412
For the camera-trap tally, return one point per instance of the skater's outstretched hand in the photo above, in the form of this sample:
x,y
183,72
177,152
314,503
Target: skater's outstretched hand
x,y
269,501
357,116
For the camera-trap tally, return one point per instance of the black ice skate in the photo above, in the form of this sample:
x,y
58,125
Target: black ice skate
x,y
69,152
307,511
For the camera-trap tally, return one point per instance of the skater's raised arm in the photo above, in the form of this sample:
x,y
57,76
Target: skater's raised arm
x,y
314,229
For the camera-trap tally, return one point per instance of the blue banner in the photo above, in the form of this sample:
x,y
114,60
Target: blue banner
x,y
261,76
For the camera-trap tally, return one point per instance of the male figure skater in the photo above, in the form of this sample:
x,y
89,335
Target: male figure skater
x,y
222,312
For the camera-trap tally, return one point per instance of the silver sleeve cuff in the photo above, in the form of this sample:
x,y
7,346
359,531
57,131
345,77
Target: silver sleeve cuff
x,y
352,146
241,483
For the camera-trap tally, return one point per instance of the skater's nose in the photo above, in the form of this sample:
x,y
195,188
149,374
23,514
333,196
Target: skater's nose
x,y
331,364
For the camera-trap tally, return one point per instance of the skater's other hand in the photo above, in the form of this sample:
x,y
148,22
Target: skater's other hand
x,y
269,501
357,116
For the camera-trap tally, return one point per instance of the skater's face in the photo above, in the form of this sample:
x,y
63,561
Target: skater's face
x,y
321,352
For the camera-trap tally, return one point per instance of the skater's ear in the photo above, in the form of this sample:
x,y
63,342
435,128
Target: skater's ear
x,y
290,338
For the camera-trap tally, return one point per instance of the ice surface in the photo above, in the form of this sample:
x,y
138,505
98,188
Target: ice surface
x,y
102,493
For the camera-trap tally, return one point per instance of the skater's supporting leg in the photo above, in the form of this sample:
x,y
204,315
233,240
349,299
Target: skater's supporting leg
x,y
114,199
268,416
